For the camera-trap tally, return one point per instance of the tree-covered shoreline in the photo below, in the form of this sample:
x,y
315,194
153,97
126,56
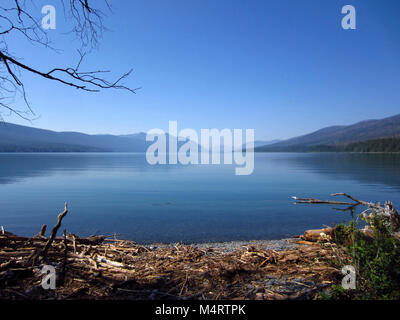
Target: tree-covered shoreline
x,y
385,145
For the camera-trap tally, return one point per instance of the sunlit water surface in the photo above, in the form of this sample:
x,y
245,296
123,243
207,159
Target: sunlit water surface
x,y
120,193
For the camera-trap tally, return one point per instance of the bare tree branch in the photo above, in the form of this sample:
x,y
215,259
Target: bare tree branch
x,y
88,29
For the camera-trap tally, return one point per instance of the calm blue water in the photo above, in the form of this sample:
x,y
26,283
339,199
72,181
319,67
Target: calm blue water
x,y
121,193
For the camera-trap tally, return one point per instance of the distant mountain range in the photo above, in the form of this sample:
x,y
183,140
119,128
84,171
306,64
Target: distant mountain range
x,y
336,137
259,143
21,138
17,138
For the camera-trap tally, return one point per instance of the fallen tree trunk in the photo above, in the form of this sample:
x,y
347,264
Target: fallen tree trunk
x,y
317,201
355,203
93,240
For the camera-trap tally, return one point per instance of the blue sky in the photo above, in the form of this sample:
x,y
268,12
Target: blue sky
x,y
284,68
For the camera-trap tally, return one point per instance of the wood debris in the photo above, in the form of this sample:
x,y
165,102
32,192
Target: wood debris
x,y
109,269
101,268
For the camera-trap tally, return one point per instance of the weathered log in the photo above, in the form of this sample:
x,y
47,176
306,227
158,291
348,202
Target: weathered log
x,y
317,201
106,261
317,234
87,241
355,203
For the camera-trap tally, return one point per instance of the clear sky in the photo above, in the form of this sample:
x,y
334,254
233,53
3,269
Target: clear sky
x,y
284,68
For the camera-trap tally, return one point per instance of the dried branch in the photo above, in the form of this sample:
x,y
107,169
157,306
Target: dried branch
x,y
387,209
42,231
54,231
363,203
317,201
355,203
65,259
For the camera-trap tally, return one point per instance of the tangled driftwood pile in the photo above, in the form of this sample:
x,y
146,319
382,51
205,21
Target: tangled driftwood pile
x,y
125,270
99,268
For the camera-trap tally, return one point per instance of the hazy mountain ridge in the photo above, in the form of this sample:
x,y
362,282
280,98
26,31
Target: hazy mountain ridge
x,y
340,135
22,137
17,138
259,143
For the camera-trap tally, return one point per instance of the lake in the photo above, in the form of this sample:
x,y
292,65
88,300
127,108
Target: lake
x,y
120,193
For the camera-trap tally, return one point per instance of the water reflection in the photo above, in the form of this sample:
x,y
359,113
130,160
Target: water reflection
x,y
372,169
121,193
17,166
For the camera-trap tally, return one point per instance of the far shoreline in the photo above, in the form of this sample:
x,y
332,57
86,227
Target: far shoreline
x,y
143,152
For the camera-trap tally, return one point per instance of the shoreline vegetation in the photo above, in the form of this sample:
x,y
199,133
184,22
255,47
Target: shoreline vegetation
x,y
303,267
386,145
375,146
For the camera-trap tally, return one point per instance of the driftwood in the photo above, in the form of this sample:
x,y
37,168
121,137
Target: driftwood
x,y
317,201
42,231
387,209
318,234
355,203
54,231
92,240
125,270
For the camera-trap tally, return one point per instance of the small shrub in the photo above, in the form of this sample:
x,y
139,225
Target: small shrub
x,y
375,256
